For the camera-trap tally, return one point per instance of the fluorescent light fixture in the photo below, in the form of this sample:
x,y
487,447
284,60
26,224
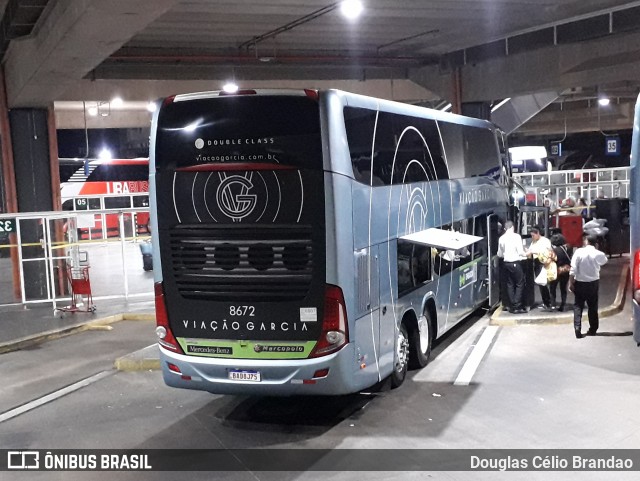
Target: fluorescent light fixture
x,y
117,102
500,104
152,107
446,108
105,154
93,111
351,9
604,101
230,87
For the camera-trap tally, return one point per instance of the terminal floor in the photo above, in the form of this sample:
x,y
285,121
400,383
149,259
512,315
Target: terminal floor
x,y
537,387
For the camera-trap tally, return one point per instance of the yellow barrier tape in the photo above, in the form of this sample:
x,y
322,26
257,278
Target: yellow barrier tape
x,y
64,245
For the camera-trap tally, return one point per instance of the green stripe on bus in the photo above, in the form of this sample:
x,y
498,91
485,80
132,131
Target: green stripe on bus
x,y
228,349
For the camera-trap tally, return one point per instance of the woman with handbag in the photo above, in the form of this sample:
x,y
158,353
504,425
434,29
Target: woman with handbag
x,y
542,252
563,260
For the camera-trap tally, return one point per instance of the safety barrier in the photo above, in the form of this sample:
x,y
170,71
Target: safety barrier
x,y
37,248
587,184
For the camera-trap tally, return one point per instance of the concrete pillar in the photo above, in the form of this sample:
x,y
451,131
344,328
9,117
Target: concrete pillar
x,y
35,162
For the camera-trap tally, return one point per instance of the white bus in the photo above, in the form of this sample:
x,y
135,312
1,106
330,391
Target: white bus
x,y
316,242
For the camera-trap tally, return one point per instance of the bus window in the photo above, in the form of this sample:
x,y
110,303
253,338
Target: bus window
x,y
141,201
471,151
405,149
117,202
414,266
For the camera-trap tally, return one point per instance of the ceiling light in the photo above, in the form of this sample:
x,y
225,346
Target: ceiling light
x,y
500,104
446,108
604,101
152,107
105,154
117,102
230,87
93,111
351,8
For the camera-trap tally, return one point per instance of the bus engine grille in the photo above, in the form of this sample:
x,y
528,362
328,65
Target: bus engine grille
x,y
242,263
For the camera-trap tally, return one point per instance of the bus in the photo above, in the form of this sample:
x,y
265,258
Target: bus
x,y
316,242
102,184
634,221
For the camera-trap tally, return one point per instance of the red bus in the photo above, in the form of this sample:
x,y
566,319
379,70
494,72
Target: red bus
x,y
103,185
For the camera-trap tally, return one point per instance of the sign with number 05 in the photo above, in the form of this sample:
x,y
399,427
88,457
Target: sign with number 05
x,y
7,225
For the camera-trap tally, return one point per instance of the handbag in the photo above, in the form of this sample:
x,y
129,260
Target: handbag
x,y
564,269
552,271
541,278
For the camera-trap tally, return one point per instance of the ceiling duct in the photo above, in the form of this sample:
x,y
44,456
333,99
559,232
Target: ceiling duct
x,y
516,111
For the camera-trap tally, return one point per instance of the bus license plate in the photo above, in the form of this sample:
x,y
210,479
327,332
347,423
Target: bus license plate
x,y
251,376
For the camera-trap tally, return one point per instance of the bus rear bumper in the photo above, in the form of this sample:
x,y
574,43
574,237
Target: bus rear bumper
x,y
277,377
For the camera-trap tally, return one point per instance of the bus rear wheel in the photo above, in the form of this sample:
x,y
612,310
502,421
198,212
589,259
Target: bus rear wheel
x,y
401,361
420,340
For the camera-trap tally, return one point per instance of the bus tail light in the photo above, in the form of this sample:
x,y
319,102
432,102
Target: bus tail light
x,y
636,277
335,331
163,331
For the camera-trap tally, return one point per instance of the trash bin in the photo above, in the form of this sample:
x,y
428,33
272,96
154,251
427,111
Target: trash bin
x,y
147,258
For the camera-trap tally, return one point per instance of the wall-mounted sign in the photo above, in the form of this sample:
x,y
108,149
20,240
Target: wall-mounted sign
x,y
612,145
556,148
7,225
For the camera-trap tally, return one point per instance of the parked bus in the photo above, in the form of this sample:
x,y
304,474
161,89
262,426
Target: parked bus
x,y
316,242
634,220
103,185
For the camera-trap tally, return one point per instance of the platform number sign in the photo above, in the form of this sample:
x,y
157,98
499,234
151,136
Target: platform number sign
x,y
613,145
82,203
556,149
7,225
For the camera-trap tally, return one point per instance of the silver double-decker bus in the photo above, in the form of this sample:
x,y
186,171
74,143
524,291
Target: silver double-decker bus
x,y
316,242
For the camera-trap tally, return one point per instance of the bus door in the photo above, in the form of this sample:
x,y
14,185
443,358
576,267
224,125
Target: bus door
x,y
493,233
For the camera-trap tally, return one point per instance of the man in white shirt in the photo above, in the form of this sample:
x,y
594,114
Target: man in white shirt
x,y
541,250
584,279
512,253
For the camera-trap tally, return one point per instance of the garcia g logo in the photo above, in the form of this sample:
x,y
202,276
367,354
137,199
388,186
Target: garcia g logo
x,y
234,199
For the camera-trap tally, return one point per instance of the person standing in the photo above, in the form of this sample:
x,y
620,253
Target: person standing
x,y
563,254
584,278
510,250
542,251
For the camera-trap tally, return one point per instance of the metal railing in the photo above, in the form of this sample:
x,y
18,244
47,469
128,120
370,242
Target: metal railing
x,y
587,184
37,248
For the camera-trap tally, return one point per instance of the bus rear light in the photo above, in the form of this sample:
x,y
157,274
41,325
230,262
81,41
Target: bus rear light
x,y
174,368
312,94
163,331
635,279
335,331
321,373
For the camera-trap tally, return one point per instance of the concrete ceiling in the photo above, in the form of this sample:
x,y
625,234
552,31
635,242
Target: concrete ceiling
x,y
402,49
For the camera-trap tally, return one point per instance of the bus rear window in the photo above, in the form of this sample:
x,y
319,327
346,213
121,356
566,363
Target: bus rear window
x,y
240,129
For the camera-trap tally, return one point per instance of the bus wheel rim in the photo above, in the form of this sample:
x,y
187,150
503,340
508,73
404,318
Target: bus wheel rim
x,y
403,351
423,329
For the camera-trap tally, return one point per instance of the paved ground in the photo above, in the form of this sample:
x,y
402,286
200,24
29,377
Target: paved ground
x,y
537,387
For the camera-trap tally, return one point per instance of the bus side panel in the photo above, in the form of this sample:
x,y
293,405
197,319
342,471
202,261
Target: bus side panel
x,y
634,217
388,289
340,272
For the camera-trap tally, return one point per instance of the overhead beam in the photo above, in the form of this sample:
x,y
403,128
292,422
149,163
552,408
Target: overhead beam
x,y
596,62
73,39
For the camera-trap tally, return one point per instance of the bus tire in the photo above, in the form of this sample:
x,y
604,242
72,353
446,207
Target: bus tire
x,y
420,340
401,358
